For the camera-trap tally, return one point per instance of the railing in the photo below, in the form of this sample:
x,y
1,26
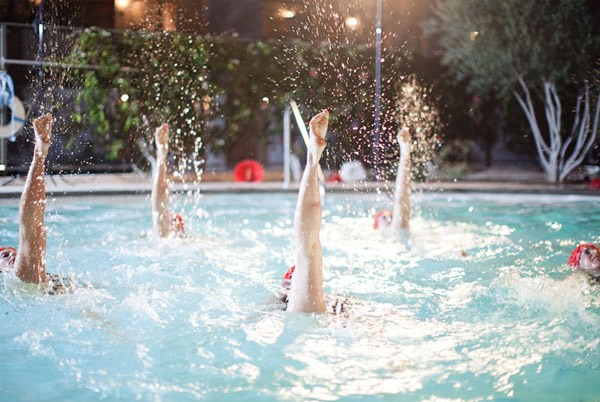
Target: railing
x,y
35,42
28,45
55,41
34,46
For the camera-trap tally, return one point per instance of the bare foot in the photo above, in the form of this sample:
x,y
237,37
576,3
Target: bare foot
x,y
404,135
162,136
318,130
42,126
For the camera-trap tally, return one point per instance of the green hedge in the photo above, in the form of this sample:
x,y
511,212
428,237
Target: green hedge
x,y
230,93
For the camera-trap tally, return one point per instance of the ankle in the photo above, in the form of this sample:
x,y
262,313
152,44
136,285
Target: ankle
x,y
41,149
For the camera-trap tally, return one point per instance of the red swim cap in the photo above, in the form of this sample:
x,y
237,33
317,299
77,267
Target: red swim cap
x,y
178,221
12,251
287,278
576,254
9,248
379,215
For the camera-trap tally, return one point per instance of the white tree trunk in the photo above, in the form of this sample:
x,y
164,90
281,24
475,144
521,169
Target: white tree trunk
x,y
559,158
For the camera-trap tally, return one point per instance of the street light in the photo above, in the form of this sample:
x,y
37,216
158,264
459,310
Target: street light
x,y
122,5
352,23
286,13
40,32
377,128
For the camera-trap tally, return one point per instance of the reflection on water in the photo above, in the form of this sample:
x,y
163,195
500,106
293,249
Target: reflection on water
x,y
478,304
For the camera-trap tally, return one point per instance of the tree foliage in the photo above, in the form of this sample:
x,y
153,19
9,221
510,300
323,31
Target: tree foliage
x,y
140,80
229,92
341,79
248,97
534,50
491,43
255,80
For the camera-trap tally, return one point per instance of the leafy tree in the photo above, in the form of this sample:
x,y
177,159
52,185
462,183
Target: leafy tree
x,y
247,99
536,51
254,80
140,80
227,91
341,78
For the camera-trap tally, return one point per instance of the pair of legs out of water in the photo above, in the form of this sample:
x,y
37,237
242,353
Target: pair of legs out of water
x,y
29,260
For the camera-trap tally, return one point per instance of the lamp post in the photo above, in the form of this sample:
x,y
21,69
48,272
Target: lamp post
x,y
39,26
377,125
2,112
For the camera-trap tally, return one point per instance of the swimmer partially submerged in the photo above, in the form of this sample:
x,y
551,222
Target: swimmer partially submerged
x,y
306,290
303,283
398,220
337,306
586,257
28,262
164,222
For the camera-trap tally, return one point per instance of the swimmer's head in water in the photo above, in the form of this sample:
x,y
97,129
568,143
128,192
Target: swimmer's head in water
x,y
287,278
585,256
7,257
383,219
178,225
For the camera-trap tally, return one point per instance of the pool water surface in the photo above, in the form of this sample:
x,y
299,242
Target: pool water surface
x,y
478,304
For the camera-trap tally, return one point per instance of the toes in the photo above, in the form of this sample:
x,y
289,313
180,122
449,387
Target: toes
x,y
42,122
318,124
404,134
43,127
162,133
322,116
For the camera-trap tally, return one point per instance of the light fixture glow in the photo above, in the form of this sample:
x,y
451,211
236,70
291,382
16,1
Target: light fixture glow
x,y
124,98
285,13
122,4
352,22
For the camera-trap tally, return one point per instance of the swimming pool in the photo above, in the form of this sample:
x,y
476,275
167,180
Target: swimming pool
x,y
480,305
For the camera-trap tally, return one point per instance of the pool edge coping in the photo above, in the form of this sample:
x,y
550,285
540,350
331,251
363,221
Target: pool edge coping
x,y
76,190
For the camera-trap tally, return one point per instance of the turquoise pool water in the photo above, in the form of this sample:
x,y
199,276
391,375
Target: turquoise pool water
x,y
480,306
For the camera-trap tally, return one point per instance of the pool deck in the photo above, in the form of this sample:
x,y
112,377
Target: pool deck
x,y
502,181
